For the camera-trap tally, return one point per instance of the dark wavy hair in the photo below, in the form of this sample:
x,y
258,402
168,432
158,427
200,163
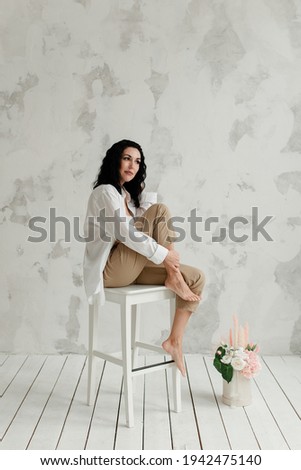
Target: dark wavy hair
x,y
109,170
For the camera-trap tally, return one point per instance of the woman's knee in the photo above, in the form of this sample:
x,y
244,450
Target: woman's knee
x,y
159,209
157,213
196,279
201,279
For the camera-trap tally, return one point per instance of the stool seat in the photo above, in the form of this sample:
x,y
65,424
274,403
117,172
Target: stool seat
x,y
130,298
139,289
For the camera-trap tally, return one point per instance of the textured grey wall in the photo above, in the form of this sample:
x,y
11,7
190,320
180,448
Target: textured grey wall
x,y
211,90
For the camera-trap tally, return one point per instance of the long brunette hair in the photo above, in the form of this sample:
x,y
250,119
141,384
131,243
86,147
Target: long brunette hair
x,y
109,170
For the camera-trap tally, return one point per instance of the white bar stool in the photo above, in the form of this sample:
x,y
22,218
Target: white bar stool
x,y
130,298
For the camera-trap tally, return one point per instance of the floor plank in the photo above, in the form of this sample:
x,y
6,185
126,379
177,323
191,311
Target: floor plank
x,y
19,388
104,420
3,358
44,407
48,430
294,365
156,414
23,426
263,423
211,426
132,438
77,425
238,428
287,381
283,413
184,427
9,370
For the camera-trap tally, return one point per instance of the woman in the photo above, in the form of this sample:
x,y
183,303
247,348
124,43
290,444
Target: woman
x,y
129,240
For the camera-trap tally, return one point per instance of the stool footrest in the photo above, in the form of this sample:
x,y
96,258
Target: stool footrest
x,y
108,357
152,367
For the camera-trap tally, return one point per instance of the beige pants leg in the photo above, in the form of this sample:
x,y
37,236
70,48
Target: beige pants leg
x,y
125,266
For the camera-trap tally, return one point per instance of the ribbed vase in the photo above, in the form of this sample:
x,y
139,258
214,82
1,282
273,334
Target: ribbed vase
x,y
238,392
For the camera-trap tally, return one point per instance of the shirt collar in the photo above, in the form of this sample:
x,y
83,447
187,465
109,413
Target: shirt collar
x,y
125,194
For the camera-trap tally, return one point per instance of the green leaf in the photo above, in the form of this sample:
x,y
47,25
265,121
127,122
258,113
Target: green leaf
x,y
227,372
217,364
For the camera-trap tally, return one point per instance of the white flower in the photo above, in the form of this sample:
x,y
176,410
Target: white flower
x,y
226,359
238,363
240,353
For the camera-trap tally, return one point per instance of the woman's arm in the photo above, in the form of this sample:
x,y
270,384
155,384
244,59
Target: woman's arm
x,y
114,223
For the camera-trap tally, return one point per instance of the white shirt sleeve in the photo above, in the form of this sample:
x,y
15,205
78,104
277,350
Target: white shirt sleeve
x,y
147,200
115,224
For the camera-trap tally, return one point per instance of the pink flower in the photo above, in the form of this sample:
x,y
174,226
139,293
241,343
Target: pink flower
x,y
252,364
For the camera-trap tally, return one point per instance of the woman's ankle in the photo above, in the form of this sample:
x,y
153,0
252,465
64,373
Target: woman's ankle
x,y
174,341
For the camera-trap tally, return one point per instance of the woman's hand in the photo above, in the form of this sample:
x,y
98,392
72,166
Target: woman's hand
x,y
172,260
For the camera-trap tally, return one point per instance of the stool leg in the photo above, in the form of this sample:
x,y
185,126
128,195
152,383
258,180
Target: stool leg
x,y
93,323
176,376
126,328
135,333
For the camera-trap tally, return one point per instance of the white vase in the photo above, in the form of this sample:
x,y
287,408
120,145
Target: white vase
x,y
238,392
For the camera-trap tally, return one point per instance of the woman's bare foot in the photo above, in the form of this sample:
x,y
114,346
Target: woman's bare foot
x,y
175,350
176,283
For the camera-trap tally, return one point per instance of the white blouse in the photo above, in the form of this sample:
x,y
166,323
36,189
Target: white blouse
x,y
106,221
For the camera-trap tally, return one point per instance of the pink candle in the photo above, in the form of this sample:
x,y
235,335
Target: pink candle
x,y
246,334
235,321
230,337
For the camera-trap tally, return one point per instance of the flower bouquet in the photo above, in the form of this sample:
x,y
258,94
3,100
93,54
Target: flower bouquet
x,y
237,361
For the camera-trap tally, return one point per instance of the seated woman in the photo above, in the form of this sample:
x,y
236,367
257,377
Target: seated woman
x,y
129,241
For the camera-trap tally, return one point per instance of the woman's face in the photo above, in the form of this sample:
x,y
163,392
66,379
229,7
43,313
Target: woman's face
x,y
129,164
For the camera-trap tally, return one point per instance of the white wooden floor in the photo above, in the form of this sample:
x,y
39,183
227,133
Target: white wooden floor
x,y
43,406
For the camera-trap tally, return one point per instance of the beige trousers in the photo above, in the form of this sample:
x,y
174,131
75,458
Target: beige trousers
x,y
125,266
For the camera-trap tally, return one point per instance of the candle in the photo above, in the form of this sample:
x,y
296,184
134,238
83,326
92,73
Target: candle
x,y
235,321
230,337
246,334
